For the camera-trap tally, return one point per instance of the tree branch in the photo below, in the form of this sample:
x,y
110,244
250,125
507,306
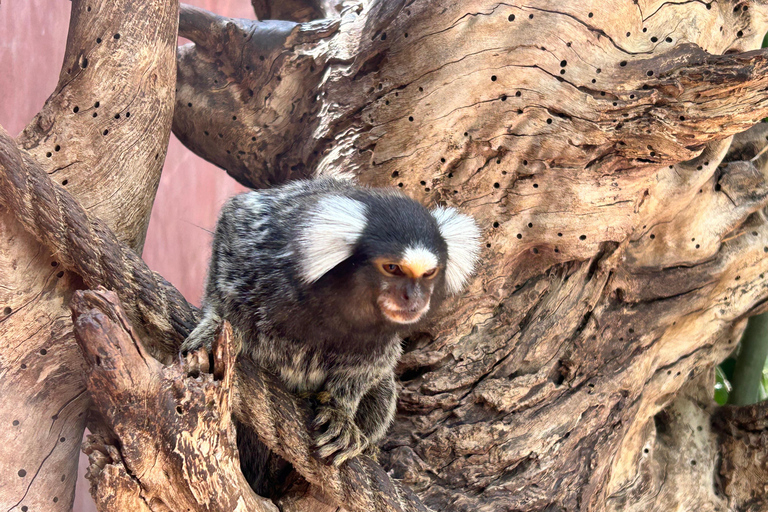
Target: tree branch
x,y
87,246
743,433
185,458
236,104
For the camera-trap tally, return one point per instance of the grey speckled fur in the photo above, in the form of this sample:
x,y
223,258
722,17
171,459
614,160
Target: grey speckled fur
x,y
290,270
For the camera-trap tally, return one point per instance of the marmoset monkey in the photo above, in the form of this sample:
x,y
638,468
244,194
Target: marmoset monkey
x,y
321,279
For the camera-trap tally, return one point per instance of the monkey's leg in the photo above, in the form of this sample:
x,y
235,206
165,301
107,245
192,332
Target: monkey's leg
x,y
377,409
203,334
340,438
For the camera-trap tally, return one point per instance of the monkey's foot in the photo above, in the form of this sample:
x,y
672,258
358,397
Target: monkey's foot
x,y
340,438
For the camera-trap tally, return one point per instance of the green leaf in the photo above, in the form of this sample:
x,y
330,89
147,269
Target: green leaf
x,y
722,387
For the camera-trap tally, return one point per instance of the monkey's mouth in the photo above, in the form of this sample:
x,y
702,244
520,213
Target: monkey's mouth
x,y
403,316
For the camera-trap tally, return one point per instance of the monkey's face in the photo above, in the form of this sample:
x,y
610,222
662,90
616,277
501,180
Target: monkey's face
x,y
406,285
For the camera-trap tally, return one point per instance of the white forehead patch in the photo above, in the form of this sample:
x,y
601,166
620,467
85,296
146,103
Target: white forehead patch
x,y
462,237
333,227
419,259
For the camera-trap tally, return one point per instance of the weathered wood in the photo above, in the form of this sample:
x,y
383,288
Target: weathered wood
x,y
117,62
625,235
86,245
587,139
177,441
228,82
743,474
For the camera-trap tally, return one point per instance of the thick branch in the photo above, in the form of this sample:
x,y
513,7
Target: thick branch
x,y
102,134
87,246
186,457
744,450
237,90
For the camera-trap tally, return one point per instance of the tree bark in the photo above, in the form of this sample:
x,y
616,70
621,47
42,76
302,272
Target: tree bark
x,y
601,147
160,468
102,135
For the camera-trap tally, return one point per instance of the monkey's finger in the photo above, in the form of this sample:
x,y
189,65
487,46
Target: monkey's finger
x,y
325,452
323,417
339,444
355,447
335,429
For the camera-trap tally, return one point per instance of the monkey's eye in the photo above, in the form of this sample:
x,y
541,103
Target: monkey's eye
x,y
430,273
392,269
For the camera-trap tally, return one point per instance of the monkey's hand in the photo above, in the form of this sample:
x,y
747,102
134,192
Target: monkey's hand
x,y
339,438
202,336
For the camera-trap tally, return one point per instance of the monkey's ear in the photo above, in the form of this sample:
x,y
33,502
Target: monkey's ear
x,y
462,236
333,227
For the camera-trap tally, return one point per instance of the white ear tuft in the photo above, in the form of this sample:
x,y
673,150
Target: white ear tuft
x,y
333,228
462,236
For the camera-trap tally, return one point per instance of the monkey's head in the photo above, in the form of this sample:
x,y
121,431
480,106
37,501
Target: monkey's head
x,y
382,258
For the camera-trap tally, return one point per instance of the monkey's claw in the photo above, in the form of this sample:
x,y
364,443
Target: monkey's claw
x,y
339,439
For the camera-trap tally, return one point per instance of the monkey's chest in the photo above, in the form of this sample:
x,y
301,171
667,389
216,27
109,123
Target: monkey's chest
x,y
302,372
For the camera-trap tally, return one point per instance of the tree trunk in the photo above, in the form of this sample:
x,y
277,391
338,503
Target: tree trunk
x,y
604,147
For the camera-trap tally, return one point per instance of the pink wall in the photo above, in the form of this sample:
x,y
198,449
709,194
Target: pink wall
x,y
32,38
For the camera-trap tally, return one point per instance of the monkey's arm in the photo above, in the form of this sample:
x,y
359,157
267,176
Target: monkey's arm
x,y
377,409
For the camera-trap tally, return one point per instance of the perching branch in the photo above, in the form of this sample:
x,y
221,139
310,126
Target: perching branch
x,y
186,456
87,246
177,447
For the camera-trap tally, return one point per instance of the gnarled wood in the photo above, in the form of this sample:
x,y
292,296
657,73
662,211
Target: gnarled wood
x,y
588,140
185,458
743,472
114,66
599,146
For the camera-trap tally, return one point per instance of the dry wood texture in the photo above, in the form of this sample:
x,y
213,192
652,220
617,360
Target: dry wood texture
x,y
102,135
589,139
600,145
163,464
